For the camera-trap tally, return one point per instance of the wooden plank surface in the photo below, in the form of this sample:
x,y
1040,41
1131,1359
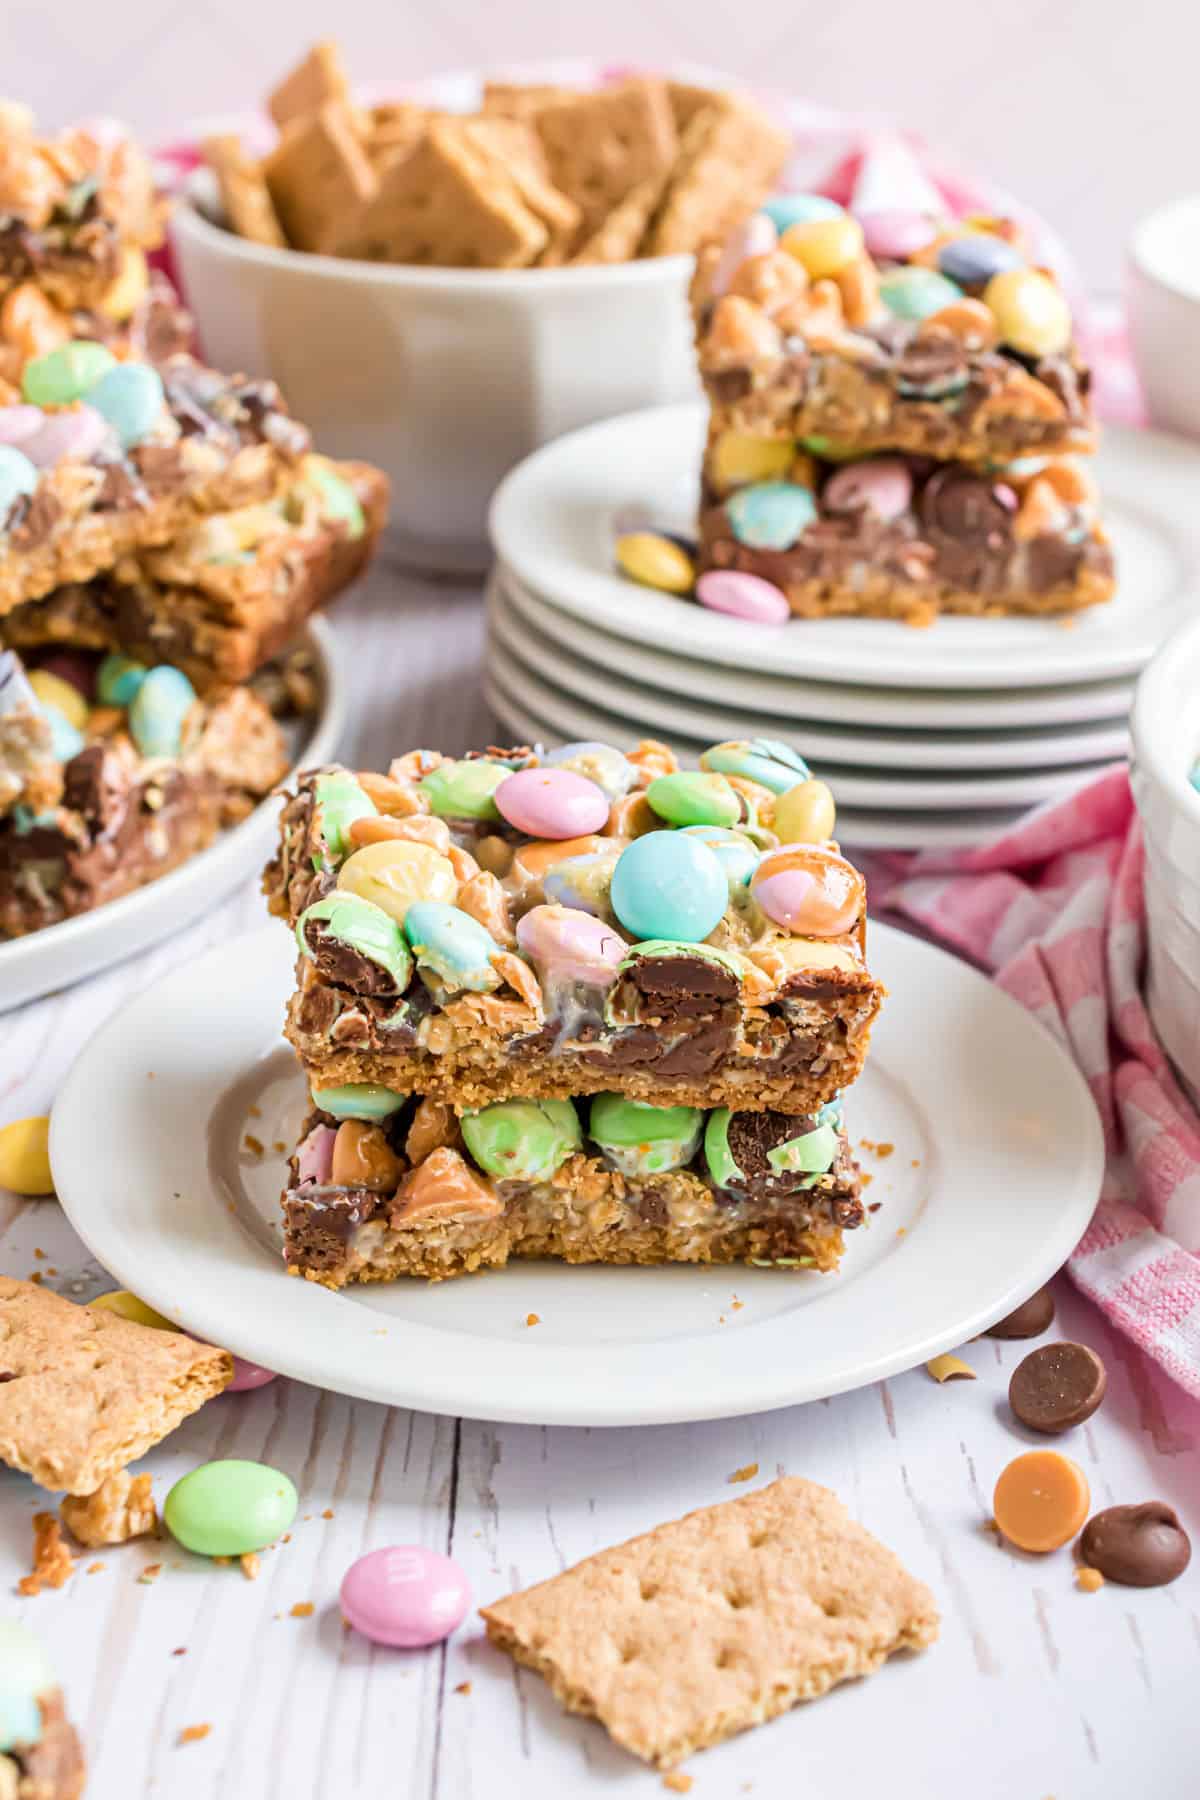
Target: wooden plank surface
x,y
1035,1689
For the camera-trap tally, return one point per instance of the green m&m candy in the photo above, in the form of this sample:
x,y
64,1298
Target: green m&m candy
x,y
340,801
639,1139
230,1508
363,927
65,374
463,790
522,1140
694,797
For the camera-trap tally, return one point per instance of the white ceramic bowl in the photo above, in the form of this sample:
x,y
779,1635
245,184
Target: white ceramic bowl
x,y
444,377
1163,309
1166,743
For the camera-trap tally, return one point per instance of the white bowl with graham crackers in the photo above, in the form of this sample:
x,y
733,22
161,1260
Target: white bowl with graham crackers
x,y
445,290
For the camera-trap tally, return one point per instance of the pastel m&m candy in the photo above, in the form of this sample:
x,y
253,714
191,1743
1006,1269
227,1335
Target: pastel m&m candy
x,y
552,803
405,1595
694,797
915,292
65,374
72,436
824,246
881,485
566,945
976,257
25,1156
738,457
52,690
743,596
666,885
247,1376
131,398
892,235
655,561
808,890
395,874
757,237
1030,312
230,1508
798,209
522,1140
805,814
17,478
770,515
158,710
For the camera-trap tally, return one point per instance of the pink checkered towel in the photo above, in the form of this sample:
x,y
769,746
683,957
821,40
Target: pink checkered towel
x,y
1054,908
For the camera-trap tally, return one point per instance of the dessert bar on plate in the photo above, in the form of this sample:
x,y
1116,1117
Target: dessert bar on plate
x,y
100,457
231,590
554,924
385,1184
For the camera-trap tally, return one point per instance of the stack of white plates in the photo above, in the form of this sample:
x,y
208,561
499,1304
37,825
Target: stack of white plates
x,y
928,738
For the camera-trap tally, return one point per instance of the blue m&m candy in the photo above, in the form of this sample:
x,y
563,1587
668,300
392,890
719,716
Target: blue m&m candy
x,y
669,885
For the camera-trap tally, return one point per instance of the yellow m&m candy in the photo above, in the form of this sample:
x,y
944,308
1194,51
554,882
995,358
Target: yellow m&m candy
x,y
396,873
823,246
53,691
655,561
25,1157
128,1306
738,457
1030,312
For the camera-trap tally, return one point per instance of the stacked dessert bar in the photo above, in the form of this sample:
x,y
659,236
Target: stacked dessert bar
x,y
899,418
164,532
573,1003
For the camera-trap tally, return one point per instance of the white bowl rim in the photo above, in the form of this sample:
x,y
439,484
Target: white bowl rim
x,y
1154,719
189,221
1140,254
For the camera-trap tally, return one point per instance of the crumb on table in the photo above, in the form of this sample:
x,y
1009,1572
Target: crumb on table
x,y
303,1609
194,1734
746,1474
53,1564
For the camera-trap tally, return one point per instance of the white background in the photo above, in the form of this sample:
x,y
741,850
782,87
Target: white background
x,y
1086,108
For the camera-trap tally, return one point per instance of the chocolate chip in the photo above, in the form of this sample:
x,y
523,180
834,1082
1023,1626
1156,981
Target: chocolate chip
x,y
1138,1546
1030,1319
1057,1386
966,508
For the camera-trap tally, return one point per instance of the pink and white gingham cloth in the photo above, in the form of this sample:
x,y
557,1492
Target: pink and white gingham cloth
x,y
1054,906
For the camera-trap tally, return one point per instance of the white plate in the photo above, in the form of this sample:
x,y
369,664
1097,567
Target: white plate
x,y
552,522
51,959
569,718
997,1165
858,828
667,714
908,709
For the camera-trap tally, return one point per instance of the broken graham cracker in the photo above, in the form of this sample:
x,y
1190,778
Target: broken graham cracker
x,y
121,1508
318,176
320,78
718,1621
600,146
245,196
617,237
516,145
84,1392
520,100
448,204
729,157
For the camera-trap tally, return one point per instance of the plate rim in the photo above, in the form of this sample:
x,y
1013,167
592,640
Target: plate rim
x,y
100,1074
660,618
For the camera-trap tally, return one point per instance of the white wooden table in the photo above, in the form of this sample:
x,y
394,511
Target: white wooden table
x,y
1035,1689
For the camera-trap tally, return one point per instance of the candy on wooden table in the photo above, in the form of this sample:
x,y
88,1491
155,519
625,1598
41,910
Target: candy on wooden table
x,y
52,690
405,1596
358,1100
785,210
639,1139
1031,314
552,803
565,945
128,1306
881,485
694,797
809,890
824,246
911,292
451,945
65,374
158,710
230,1507
1137,1546
893,235
1057,1386
363,927
25,1156
655,561
522,1140
248,1375
1030,1319
396,874
743,596
737,457
976,257
1041,1500
770,515
805,814
666,885
463,790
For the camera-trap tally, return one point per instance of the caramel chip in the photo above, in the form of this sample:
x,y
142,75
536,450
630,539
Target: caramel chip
x,y
1041,1500
950,1368
318,177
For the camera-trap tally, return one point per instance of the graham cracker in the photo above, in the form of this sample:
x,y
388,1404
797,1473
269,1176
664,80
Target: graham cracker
x,y
448,204
84,1392
617,237
121,1508
517,146
319,176
245,195
319,79
394,130
686,101
729,158
520,100
600,146
718,1621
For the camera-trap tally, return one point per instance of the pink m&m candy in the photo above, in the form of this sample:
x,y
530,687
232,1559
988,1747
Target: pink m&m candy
x,y
882,485
314,1158
891,236
247,1376
565,945
405,1595
757,237
743,596
810,891
19,423
67,436
552,803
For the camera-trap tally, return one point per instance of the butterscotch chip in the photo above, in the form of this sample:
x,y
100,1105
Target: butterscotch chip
x,y
717,1621
600,146
617,237
517,146
87,1392
448,204
245,196
121,1508
319,176
317,80
728,160
53,1564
